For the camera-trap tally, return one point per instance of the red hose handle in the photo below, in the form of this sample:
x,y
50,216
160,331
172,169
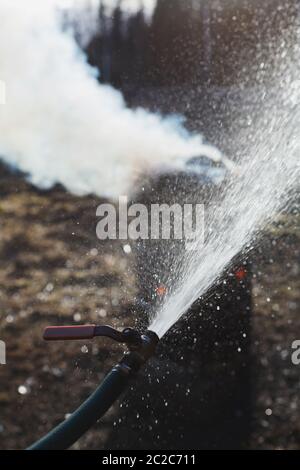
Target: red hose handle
x,y
60,333
57,333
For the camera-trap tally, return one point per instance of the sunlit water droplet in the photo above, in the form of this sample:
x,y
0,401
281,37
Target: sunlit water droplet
x,y
22,390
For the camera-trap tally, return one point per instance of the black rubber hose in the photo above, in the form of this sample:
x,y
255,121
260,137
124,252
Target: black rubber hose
x,y
70,430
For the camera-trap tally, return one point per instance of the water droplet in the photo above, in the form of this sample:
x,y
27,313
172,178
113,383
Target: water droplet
x,y
57,372
102,313
22,390
49,287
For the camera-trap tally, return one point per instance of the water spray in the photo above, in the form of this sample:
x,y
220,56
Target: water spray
x,y
140,347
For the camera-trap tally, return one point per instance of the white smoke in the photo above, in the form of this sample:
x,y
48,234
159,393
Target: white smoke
x,y
60,125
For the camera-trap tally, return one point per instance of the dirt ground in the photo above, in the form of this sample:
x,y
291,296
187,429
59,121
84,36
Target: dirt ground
x,y
54,270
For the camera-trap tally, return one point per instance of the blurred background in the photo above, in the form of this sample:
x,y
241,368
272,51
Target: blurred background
x,y
209,61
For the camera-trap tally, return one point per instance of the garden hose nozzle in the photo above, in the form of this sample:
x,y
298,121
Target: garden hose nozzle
x,y
143,344
140,348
